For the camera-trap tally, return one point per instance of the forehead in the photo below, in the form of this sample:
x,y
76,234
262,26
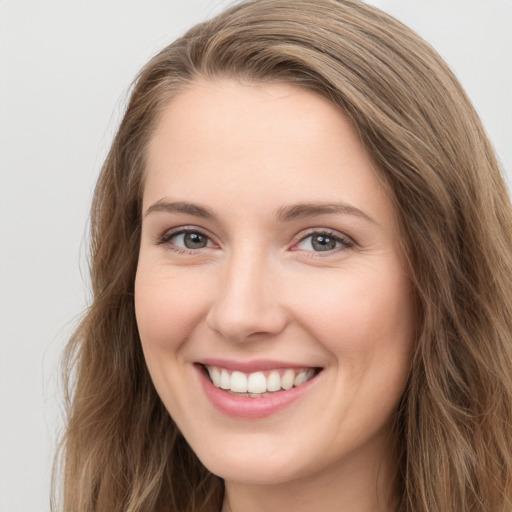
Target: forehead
x,y
229,142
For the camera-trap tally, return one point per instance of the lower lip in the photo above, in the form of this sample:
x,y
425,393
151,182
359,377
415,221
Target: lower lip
x,y
251,408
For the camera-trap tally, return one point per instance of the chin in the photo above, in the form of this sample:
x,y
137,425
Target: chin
x,y
253,471
253,458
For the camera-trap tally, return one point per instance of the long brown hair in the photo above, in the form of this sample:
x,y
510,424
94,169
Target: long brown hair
x,y
122,451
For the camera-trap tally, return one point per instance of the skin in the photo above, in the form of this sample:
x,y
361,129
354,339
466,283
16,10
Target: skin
x,y
259,289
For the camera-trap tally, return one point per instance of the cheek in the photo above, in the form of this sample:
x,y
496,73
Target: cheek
x,y
365,320
368,326
356,304
166,309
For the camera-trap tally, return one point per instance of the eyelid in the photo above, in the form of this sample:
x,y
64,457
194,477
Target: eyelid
x,y
346,241
165,238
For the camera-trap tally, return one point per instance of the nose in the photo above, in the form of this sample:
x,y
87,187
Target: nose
x,y
247,304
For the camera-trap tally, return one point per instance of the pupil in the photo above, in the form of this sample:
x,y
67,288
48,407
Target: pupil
x,y
323,243
194,241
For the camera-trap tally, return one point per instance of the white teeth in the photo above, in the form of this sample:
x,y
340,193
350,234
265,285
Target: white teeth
x,y
256,384
287,379
238,382
273,381
215,376
224,380
300,378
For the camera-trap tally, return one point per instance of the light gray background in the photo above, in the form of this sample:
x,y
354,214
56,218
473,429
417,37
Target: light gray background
x,y
65,67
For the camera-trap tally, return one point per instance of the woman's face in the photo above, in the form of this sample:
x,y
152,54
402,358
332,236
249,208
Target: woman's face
x,y
269,259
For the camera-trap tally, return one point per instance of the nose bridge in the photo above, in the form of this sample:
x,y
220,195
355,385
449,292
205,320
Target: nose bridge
x,y
247,301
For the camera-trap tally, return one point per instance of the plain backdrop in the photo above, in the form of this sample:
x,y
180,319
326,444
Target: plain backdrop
x,y
65,68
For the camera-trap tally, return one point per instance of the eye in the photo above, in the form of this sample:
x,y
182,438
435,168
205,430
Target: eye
x,y
190,240
186,240
323,241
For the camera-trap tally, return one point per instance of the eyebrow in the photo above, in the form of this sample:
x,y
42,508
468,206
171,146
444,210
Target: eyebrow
x,y
305,210
180,207
283,214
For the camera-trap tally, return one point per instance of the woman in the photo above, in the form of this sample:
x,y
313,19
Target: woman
x,y
301,266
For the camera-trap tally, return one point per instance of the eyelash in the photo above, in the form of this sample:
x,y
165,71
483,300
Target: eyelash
x,y
343,240
166,240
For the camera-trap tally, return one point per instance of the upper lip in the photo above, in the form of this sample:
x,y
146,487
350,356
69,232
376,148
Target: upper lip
x,y
252,366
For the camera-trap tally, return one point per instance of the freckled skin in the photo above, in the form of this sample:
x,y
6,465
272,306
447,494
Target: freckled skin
x,y
261,289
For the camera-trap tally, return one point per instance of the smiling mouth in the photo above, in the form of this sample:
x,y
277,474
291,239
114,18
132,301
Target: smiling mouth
x,y
260,383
